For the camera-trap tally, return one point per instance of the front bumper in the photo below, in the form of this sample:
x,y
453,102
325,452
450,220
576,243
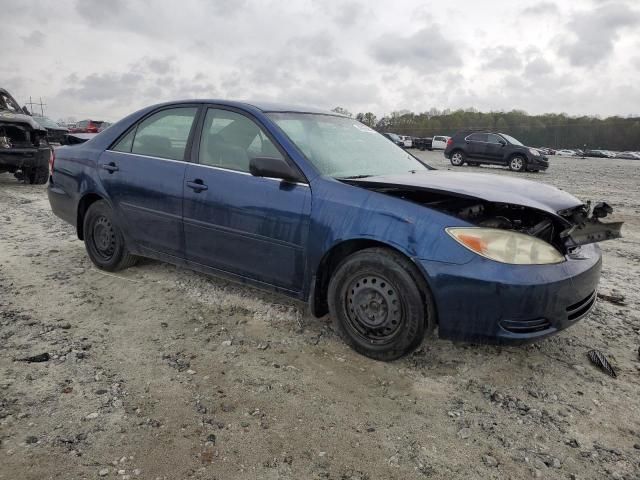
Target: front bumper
x,y
538,163
488,302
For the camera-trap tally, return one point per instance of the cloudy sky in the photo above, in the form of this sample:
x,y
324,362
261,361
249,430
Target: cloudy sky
x,y
105,58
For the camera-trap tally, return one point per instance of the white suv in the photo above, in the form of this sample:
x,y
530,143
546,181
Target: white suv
x,y
439,142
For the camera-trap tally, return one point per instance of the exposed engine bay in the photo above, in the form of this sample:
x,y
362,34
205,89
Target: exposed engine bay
x,y
567,230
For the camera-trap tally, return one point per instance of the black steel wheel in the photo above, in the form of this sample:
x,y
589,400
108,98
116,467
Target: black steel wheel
x,y
374,308
103,239
380,303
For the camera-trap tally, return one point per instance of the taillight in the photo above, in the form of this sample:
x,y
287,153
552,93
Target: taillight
x,y
450,141
52,160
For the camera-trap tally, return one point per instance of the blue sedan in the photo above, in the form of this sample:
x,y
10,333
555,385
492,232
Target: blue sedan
x,y
319,207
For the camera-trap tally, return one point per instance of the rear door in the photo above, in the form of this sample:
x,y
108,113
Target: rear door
x,y
476,145
253,227
143,174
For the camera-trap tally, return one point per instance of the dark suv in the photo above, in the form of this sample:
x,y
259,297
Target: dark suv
x,y
476,148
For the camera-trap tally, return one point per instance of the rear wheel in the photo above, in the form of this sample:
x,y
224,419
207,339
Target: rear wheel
x,y
104,240
457,158
377,305
37,175
517,163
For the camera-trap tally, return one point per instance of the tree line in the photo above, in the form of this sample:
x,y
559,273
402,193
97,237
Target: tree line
x,y
548,130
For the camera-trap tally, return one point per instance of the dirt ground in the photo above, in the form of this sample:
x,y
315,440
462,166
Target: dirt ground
x,y
161,373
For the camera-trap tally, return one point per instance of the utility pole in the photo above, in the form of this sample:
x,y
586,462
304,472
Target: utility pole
x,y
31,103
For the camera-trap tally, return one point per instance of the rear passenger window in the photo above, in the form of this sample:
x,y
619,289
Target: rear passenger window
x,y
478,137
230,140
165,134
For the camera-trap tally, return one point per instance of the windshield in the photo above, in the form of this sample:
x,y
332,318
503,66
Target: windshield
x,y
47,122
512,140
344,148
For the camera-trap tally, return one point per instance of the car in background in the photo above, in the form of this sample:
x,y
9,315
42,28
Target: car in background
x,y
423,143
394,138
566,153
598,154
492,148
439,142
56,133
629,155
407,141
24,148
546,150
87,126
277,196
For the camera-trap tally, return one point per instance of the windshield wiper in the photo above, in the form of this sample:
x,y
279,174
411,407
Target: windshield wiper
x,y
353,177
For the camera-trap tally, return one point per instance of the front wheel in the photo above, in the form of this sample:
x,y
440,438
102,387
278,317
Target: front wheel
x,y
377,305
517,163
103,239
457,158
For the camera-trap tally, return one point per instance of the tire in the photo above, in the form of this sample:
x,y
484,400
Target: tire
x,y
37,175
103,239
517,163
386,280
458,158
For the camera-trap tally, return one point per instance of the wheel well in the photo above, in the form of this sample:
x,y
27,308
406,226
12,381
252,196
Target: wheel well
x,y
333,258
83,206
517,154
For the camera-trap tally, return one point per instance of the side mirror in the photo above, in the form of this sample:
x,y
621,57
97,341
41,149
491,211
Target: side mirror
x,y
274,168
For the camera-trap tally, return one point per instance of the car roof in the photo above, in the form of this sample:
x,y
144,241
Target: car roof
x,y
263,106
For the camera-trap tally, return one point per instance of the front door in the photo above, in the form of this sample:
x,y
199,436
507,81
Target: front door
x,y
494,149
252,227
143,175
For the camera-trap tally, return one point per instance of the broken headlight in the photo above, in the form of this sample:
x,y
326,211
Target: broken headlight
x,y
4,142
506,246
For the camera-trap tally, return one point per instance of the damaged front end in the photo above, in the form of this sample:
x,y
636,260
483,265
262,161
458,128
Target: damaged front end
x,y
24,149
586,226
566,230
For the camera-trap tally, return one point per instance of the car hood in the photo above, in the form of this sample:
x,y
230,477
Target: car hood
x,y
483,186
10,117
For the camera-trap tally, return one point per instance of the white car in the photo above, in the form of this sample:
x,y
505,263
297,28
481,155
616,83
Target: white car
x,y
566,153
439,142
407,141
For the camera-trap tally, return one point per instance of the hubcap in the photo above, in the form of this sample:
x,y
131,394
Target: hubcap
x,y
373,308
104,237
516,163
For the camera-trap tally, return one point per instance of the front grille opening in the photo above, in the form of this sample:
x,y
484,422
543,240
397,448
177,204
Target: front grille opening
x,y
580,308
525,326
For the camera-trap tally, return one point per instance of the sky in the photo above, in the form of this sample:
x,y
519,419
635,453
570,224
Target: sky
x,y
103,59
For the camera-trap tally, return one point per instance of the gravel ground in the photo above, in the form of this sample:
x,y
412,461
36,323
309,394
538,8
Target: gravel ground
x,y
159,372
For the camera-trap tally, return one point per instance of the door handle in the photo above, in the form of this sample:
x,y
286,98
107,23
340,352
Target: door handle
x,y
197,185
110,167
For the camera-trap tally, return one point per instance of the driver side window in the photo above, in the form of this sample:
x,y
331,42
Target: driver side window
x,y
230,140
